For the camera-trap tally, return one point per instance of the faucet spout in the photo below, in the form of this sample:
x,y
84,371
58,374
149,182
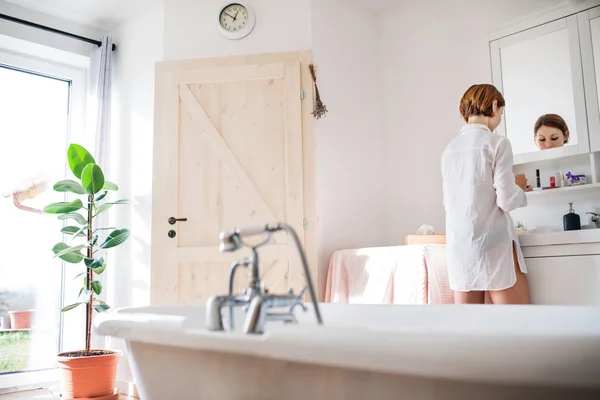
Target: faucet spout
x,y
214,306
258,312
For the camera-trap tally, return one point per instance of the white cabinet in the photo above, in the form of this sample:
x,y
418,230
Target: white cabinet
x,y
565,280
563,267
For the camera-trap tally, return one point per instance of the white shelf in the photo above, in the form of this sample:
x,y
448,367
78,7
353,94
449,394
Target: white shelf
x,y
546,192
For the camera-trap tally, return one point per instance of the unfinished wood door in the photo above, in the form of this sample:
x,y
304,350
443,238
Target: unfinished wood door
x,y
228,151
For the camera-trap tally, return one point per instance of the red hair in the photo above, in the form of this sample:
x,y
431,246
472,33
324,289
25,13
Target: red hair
x,y
479,100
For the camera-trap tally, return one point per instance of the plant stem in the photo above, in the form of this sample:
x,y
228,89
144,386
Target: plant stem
x,y
90,278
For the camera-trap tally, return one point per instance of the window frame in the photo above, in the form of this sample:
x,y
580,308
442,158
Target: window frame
x,y
71,324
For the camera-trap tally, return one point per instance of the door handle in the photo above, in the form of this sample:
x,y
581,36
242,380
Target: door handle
x,y
173,220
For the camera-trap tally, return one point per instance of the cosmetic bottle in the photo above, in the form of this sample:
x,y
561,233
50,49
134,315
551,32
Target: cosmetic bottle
x,y
571,221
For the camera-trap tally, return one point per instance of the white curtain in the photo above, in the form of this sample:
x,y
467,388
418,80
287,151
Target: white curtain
x,y
99,101
97,127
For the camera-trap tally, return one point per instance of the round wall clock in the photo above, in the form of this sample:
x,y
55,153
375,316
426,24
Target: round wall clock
x,y
236,21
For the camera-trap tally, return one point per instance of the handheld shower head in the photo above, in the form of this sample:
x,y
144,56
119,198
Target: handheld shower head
x,y
231,240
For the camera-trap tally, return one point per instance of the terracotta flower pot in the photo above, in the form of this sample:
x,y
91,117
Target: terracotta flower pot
x,y
20,319
88,376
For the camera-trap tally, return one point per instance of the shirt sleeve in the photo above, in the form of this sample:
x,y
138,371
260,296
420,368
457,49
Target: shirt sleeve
x,y
509,196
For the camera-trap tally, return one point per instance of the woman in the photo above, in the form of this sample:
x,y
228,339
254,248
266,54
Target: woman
x,y
480,190
550,131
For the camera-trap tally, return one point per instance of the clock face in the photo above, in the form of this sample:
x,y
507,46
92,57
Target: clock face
x,y
234,17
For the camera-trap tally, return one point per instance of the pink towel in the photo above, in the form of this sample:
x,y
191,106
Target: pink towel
x,y
414,274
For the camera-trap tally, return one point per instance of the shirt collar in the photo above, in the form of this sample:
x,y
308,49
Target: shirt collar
x,y
468,127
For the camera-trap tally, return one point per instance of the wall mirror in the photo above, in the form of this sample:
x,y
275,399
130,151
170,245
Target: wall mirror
x,y
539,73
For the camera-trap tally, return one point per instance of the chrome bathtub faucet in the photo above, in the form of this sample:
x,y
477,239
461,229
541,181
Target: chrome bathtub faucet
x,y
595,218
258,303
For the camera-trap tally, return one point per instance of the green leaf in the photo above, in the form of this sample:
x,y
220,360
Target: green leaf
x,y
80,291
78,158
99,270
110,186
70,256
74,230
96,264
102,196
106,206
101,307
69,186
94,241
92,179
63,208
97,287
80,231
93,262
115,238
76,216
69,250
72,306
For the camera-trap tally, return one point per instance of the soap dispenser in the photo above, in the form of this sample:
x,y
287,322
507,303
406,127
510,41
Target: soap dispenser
x,y
571,221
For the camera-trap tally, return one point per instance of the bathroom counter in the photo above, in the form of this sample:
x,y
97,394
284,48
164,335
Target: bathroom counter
x,y
560,238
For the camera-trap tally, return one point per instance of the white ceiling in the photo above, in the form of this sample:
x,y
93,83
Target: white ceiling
x,y
100,14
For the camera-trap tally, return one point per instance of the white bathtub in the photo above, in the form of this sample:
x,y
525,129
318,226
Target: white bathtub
x,y
372,351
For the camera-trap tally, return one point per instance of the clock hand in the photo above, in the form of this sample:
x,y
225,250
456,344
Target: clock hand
x,y
230,16
236,14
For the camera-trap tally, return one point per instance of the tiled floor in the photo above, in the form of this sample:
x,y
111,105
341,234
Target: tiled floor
x,y
43,394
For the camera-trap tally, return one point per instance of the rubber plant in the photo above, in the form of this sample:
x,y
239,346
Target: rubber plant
x,y
83,244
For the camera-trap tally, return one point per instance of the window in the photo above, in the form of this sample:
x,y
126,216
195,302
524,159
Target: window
x,y
41,110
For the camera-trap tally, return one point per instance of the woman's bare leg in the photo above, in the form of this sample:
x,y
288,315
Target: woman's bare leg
x,y
519,293
476,297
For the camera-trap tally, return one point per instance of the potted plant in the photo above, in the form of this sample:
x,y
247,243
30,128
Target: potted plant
x,y
20,319
89,373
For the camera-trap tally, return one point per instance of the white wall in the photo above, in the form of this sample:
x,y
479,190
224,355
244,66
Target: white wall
x,y
434,51
140,45
350,163
190,29
140,42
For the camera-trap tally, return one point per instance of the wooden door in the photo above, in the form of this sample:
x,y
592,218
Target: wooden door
x,y
228,151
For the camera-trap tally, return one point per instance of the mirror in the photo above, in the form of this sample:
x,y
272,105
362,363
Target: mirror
x,y
538,88
595,35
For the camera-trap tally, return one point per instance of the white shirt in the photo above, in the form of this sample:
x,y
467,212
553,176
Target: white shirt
x,y
479,192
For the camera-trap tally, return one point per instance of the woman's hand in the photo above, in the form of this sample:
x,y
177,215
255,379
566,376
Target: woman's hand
x,y
521,181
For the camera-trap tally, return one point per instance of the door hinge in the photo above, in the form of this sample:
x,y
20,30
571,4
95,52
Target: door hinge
x,y
301,94
304,223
